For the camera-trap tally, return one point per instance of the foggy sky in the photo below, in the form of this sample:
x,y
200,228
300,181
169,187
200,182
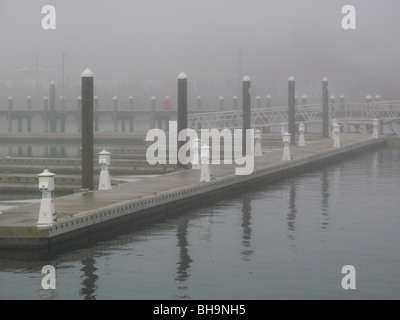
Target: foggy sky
x,y
155,40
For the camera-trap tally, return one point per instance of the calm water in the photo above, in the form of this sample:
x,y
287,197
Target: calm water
x,y
288,240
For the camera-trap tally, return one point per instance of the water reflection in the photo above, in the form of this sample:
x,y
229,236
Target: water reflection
x,y
205,227
292,211
182,272
324,199
89,279
246,225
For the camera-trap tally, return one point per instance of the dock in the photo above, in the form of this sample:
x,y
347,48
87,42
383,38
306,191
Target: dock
x,y
82,215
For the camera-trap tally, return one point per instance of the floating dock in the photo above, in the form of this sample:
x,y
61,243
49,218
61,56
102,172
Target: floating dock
x,y
81,216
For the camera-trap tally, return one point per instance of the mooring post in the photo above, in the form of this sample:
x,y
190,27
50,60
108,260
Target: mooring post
x,y
332,105
131,117
287,156
342,102
79,112
325,108
46,114
221,103
131,105
115,113
182,110
342,110
292,109
95,113
198,100
9,113
304,100
235,102
258,102
153,112
53,124
246,83
62,103
29,117
269,101
28,103
87,129
62,116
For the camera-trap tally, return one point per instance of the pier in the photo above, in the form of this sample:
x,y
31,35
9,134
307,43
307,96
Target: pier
x,y
82,215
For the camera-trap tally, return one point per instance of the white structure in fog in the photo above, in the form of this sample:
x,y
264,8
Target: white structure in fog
x,y
287,156
302,140
196,154
205,174
257,146
336,135
375,133
47,213
104,161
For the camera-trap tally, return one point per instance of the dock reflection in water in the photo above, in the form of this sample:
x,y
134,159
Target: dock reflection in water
x,y
287,240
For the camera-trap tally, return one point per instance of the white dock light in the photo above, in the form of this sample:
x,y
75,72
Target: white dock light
x,y
196,154
336,135
286,149
257,147
104,161
302,140
205,174
47,213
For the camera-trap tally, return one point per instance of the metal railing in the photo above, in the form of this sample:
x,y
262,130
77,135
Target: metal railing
x,y
266,117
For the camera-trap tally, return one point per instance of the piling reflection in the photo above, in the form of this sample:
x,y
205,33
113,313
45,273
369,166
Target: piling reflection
x,y
183,265
324,199
89,279
292,211
246,226
205,227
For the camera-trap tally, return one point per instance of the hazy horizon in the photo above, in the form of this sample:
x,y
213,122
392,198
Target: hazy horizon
x,y
148,43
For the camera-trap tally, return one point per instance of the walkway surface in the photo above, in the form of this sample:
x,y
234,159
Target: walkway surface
x,y
76,204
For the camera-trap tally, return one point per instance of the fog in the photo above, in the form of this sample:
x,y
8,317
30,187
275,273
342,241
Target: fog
x,y
139,47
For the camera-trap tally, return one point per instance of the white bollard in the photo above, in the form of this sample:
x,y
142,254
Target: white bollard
x,y
302,140
257,146
287,156
104,161
336,135
205,174
47,213
196,154
375,133
334,122
283,128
